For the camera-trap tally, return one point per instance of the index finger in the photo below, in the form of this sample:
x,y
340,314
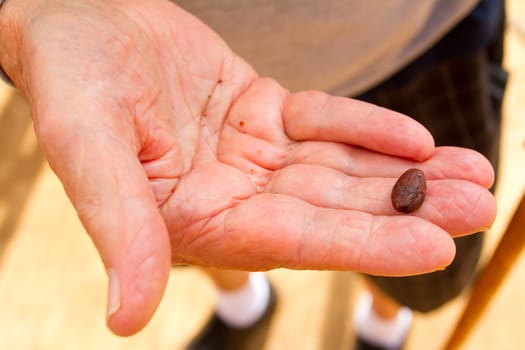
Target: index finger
x,y
273,230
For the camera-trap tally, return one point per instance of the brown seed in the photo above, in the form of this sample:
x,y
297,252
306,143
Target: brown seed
x,y
409,191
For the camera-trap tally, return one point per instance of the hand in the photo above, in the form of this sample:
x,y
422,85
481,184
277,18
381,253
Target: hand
x,y
172,150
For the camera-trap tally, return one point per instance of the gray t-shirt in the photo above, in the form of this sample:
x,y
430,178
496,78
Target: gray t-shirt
x,y
339,46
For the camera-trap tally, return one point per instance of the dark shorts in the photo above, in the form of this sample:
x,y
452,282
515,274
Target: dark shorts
x,y
459,101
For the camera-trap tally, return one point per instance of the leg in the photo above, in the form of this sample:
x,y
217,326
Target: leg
x,y
459,101
380,321
244,305
382,305
227,280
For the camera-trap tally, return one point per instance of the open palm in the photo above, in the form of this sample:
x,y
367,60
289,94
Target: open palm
x,y
173,150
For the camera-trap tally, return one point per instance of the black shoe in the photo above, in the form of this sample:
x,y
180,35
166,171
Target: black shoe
x,y
217,335
361,344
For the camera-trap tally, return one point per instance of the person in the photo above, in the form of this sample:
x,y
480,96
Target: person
x,y
456,90
440,63
173,150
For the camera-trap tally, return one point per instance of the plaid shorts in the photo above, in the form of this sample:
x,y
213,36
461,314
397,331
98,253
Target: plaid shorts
x,y
459,101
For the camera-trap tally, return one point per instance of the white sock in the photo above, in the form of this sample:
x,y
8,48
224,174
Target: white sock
x,y
243,307
386,333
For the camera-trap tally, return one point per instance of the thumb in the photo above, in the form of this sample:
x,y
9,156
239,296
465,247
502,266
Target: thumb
x,y
95,157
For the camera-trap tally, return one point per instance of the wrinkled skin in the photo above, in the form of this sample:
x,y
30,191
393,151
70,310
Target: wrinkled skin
x,y
172,149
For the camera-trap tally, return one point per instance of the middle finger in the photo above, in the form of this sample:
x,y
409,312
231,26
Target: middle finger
x,y
457,206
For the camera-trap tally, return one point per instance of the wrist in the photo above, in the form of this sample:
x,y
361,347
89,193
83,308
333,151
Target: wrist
x,y
13,15
3,75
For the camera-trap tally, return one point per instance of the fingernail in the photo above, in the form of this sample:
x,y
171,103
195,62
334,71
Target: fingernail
x,y
113,294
